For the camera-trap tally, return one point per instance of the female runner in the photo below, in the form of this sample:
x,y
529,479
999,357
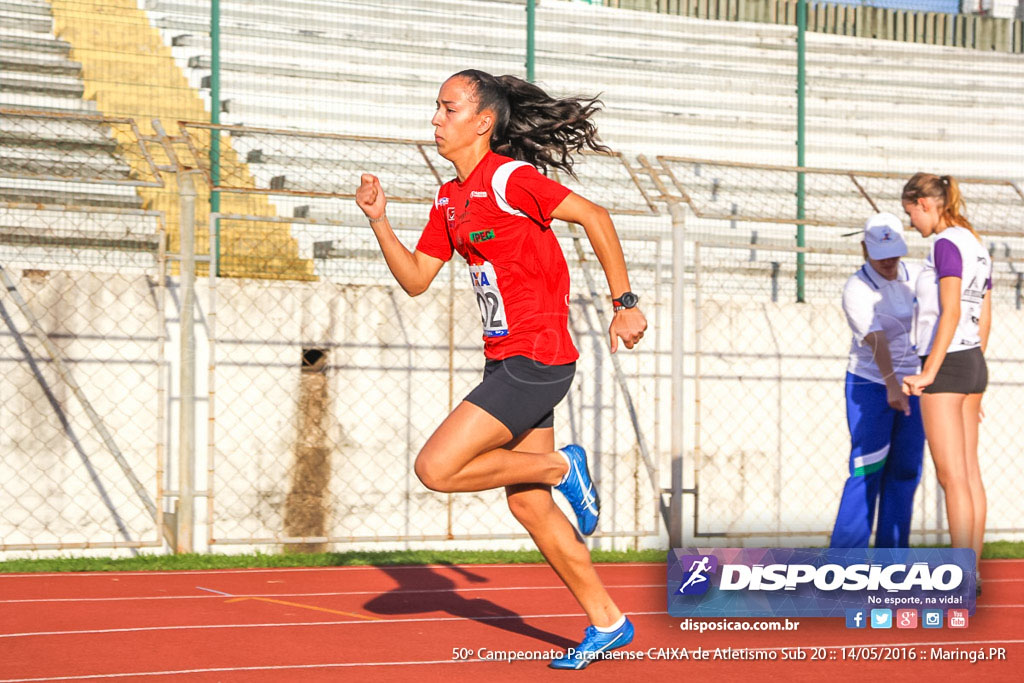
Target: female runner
x,y
497,213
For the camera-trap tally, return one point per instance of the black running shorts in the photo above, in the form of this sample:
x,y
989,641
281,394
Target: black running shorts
x,y
522,393
962,372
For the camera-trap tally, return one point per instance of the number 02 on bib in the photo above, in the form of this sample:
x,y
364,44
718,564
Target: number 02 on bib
x,y
488,297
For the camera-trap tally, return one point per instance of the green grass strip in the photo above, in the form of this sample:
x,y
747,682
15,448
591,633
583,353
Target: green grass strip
x,y
993,550
346,559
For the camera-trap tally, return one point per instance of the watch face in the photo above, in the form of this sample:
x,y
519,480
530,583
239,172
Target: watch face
x,y
629,300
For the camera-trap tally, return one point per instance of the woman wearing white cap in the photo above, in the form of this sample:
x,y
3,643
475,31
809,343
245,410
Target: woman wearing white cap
x,y
887,439
953,321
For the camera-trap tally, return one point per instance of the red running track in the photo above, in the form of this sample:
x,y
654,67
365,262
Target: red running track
x,y
443,623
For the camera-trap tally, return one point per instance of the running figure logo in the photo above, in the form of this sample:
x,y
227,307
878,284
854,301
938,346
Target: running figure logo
x,y
696,580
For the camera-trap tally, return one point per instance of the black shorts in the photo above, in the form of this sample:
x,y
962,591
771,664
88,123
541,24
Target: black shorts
x,y
522,393
962,372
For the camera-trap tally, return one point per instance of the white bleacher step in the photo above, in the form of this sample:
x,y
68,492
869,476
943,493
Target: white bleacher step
x,y
124,196
39,7
37,161
94,260
406,184
66,198
25,22
44,63
340,21
82,222
57,86
291,39
65,132
894,51
58,238
818,121
303,166
22,41
46,102
353,68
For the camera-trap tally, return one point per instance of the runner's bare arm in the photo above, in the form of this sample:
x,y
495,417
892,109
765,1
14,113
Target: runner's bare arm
x,y
628,324
413,270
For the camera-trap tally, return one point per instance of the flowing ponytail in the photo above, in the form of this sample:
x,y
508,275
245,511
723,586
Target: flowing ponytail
x,y
943,189
532,126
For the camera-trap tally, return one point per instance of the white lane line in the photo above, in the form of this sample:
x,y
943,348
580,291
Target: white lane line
x,y
400,591
281,667
334,665
340,622
403,591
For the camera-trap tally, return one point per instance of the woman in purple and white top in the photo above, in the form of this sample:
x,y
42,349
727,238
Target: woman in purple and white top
x,y
953,318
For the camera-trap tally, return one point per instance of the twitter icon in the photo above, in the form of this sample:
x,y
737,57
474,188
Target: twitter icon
x,y
881,618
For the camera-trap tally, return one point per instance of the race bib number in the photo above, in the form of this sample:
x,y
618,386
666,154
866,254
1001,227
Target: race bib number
x,y
488,297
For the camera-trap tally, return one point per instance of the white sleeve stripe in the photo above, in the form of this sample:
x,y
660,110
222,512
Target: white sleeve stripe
x,y
437,195
499,183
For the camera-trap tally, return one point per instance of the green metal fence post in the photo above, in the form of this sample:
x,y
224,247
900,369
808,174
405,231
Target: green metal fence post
x,y
531,24
215,119
801,113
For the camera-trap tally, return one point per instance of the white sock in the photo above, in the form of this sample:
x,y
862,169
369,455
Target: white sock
x,y
614,627
568,467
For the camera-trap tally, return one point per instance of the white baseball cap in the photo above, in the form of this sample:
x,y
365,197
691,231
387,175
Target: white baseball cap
x,y
883,235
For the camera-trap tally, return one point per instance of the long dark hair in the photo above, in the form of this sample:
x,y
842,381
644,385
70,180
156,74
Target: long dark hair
x,y
943,189
532,126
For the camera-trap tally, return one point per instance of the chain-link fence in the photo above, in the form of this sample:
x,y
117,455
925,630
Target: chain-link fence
x,y
769,435
324,378
321,394
323,381
83,399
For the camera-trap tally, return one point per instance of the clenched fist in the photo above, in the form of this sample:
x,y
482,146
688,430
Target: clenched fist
x,y
370,197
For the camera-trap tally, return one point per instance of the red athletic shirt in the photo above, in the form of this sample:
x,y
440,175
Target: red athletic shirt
x,y
499,220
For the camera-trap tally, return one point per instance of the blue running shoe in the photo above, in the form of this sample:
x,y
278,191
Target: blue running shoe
x,y
594,644
579,490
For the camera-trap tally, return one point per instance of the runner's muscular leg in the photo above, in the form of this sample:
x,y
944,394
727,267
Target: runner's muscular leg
x,y
556,538
465,454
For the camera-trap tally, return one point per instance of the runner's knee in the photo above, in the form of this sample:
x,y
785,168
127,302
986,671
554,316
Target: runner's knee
x,y
529,510
432,474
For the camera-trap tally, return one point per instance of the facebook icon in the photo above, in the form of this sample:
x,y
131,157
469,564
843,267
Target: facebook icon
x,y
856,618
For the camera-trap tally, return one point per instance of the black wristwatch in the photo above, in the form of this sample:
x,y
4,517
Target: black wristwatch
x,y
625,300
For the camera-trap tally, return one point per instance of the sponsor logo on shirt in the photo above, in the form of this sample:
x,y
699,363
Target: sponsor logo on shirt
x,y
481,236
442,201
477,194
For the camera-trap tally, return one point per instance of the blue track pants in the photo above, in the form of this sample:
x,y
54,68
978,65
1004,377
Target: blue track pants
x,y
886,452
